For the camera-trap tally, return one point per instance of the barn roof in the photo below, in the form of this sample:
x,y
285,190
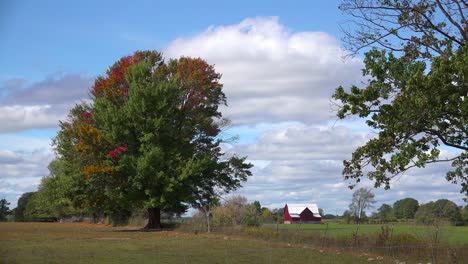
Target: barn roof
x,y
296,209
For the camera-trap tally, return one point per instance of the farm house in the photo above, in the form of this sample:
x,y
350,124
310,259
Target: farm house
x,y
301,213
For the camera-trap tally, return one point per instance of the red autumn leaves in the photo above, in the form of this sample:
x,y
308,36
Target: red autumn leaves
x,y
115,153
114,84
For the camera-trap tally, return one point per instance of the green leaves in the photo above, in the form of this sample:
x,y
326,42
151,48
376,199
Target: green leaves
x,y
415,110
155,142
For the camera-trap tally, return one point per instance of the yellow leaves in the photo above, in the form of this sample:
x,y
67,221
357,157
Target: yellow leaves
x,y
90,170
89,137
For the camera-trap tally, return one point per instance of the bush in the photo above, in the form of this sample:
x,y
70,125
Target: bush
x,y
251,216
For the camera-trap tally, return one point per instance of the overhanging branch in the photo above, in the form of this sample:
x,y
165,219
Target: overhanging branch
x,y
436,133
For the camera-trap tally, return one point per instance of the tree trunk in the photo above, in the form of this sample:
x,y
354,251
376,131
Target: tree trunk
x,y
154,219
208,221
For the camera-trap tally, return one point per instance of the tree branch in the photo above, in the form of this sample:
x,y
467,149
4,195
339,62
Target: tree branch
x,y
449,17
436,133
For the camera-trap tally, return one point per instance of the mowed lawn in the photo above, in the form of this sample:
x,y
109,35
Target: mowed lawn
x,y
87,243
451,235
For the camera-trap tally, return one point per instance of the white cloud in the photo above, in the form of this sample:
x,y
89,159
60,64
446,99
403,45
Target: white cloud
x,y
19,117
9,157
41,104
301,142
303,163
22,171
25,164
271,74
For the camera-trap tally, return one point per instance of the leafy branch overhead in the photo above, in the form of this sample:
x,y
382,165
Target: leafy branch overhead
x,y
417,102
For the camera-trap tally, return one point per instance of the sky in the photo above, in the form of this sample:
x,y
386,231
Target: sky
x,y
280,61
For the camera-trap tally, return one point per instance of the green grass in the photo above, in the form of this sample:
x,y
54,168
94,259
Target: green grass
x,y
86,243
451,235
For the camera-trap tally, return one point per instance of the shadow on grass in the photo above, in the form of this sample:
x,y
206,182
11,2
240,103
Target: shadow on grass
x,y
166,227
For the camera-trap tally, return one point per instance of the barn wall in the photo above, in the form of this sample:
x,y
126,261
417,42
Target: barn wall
x,y
308,216
287,216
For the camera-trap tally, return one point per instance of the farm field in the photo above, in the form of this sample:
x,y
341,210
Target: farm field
x,y
451,235
86,243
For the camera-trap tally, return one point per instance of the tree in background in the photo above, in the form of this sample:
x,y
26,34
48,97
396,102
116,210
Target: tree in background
x,y
425,214
321,212
4,209
438,207
205,205
21,207
405,208
51,201
415,97
253,214
278,214
348,217
231,212
441,209
363,198
452,213
235,210
464,214
150,138
267,215
385,212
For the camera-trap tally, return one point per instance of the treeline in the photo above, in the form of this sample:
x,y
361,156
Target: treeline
x,y
409,209
53,202
236,211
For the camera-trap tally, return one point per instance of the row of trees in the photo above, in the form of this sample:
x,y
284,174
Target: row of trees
x,y
428,213
407,208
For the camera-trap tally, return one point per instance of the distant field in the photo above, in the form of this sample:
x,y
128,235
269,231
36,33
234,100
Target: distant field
x,y
86,243
452,235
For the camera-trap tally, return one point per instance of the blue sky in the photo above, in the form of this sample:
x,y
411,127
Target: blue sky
x,y
46,37
280,60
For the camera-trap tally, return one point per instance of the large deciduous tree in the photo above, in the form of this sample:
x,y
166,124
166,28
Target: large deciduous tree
x,y
150,138
417,88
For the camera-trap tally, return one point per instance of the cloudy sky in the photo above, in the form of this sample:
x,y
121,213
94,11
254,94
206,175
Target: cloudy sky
x,y
280,60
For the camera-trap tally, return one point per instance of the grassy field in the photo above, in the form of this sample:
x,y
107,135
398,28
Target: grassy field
x,y
86,243
451,235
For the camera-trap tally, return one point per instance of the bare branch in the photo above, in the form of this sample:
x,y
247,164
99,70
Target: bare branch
x,y
449,17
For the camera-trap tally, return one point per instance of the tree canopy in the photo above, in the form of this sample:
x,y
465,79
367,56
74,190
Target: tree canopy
x,y
21,206
405,208
385,212
441,209
150,138
415,96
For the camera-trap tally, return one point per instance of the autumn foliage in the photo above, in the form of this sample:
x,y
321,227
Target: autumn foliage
x,y
149,137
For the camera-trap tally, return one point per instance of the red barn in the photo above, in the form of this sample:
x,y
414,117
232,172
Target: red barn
x,y
301,213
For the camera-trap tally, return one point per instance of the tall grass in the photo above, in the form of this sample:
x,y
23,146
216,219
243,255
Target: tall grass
x,y
400,242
